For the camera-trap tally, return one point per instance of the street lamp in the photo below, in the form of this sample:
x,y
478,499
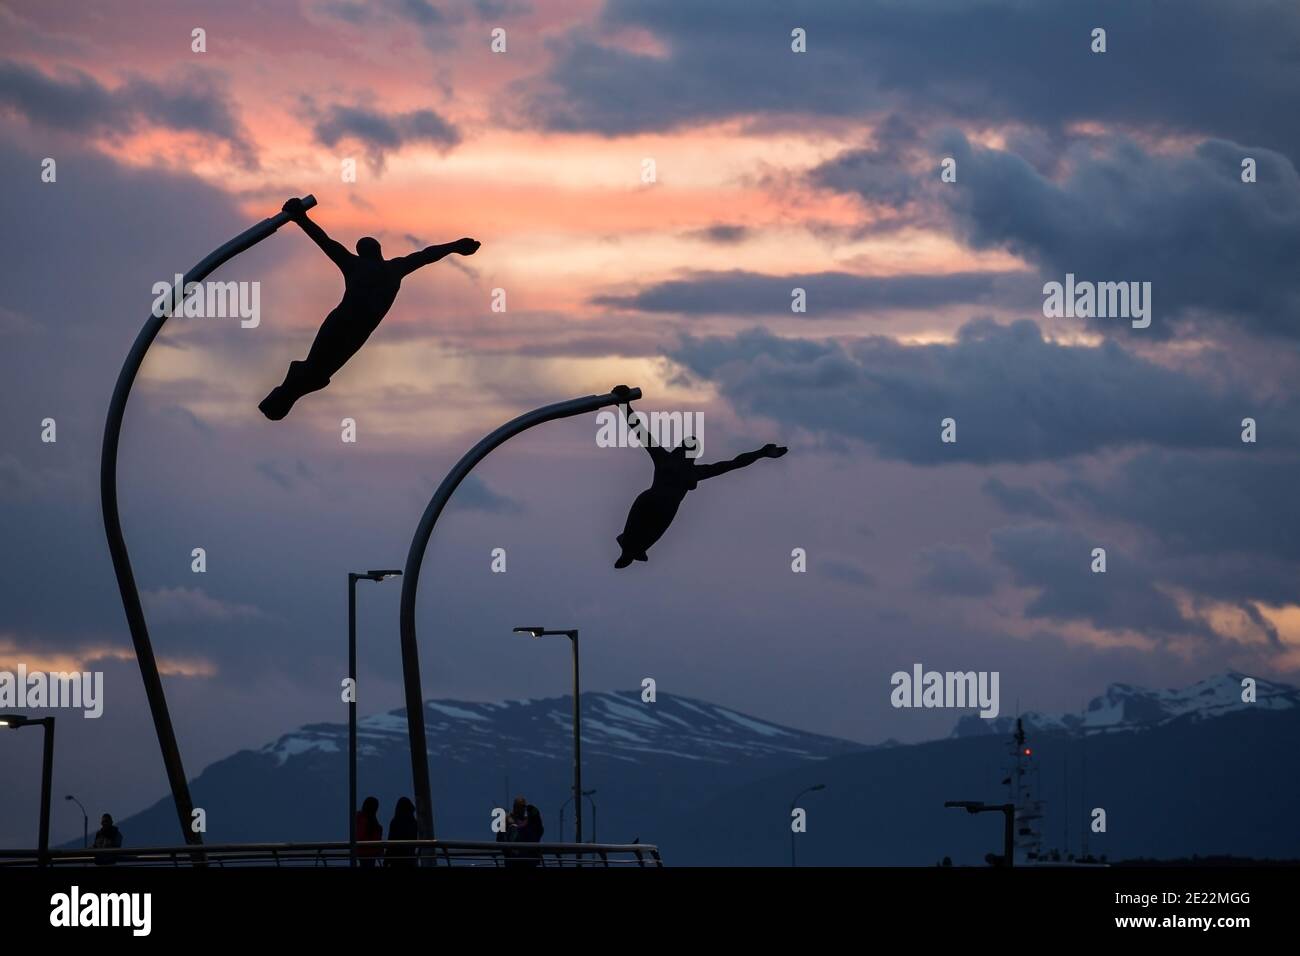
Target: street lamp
x,y
619,395
793,803
85,822
1008,811
572,635
152,679
15,722
353,578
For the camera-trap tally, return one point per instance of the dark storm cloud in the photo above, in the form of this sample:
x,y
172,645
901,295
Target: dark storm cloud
x,y
828,293
881,174
1057,563
1241,499
1015,396
950,569
1018,499
1233,577
382,132
1201,66
1218,524
78,103
1185,222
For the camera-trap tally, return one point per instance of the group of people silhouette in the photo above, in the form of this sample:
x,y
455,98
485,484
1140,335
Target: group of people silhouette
x,y
371,284
523,824
400,827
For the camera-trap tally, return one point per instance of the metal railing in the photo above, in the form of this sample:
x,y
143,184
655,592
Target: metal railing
x,y
410,853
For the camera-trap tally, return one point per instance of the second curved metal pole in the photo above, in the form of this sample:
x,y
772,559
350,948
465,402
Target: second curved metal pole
x,y
411,579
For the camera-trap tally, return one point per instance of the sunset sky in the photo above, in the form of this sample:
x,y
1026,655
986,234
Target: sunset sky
x,y
773,170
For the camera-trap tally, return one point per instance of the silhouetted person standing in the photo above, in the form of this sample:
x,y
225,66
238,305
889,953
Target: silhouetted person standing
x,y
370,286
523,825
369,830
675,474
402,827
107,837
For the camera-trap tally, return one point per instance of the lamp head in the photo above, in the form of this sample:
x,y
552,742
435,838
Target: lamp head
x,y
531,631
380,575
14,720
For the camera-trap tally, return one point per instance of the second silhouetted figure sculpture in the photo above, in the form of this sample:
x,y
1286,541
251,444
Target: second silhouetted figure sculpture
x,y
675,475
370,286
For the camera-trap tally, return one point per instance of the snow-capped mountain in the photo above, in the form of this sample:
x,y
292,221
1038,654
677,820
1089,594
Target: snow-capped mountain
x,y
649,762
1124,708
616,725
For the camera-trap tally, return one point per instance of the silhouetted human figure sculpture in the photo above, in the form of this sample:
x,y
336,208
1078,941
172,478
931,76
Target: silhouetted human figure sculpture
x,y
370,286
675,474
369,830
107,837
402,827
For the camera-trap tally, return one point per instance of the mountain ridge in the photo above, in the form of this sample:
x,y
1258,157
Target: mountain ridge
x,y
1125,708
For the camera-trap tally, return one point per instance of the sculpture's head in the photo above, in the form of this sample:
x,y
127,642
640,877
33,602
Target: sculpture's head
x,y
368,248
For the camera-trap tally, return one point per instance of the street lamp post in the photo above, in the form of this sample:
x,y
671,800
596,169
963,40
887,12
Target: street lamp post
x,y
793,803
85,821
572,635
415,558
144,655
14,722
353,578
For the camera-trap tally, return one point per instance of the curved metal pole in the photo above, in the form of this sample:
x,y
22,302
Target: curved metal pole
x,y
153,687
411,579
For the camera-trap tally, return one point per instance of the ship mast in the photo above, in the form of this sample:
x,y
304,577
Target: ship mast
x,y
1029,809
